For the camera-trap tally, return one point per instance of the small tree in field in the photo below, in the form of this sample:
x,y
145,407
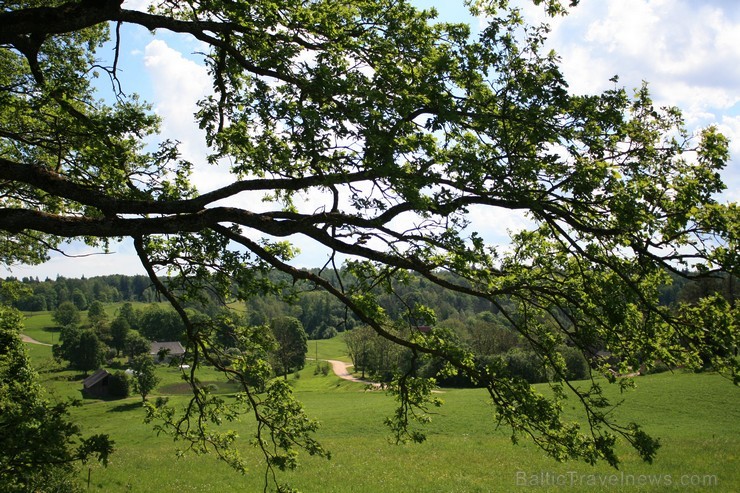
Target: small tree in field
x,y
292,344
119,332
67,314
96,315
136,345
82,348
128,313
145,379
163,353
90,353
359,343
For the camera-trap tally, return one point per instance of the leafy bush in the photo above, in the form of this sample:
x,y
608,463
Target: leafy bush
x,y
526,365
577,367
119,385
328,333
322,367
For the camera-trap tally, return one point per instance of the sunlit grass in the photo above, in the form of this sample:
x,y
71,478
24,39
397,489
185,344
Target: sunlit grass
x,y
333,348
465,452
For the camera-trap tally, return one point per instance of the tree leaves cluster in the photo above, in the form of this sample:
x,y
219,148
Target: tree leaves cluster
x,y
40,446
49,294
291,345
144,376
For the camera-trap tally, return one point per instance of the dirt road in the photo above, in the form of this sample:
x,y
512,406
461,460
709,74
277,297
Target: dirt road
x,y
25,338
340,369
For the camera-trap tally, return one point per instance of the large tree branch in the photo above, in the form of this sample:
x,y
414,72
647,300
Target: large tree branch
x,y
66,18
57,184
21,25
17,220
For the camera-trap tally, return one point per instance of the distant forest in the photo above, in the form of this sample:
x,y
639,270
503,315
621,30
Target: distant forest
x,y
321,315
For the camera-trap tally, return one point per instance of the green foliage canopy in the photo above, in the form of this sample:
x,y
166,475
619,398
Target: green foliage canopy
x,y
96,315
145,377
399,125
82,348
136,344
158,323
292,344
119,331
39,444
67,314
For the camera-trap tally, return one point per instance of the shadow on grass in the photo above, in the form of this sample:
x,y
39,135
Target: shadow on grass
x,y
220,388
125,407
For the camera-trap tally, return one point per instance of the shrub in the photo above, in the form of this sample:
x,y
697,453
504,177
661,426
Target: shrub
x,y
322,367
577,367
119,385
328,333
526,365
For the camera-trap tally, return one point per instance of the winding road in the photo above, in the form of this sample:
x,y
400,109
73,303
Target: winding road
x,y
30,340
341,370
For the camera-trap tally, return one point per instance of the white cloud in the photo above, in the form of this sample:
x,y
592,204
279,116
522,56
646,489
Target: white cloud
x,y
85,261
730,127
687,51
178,83
496,225
140,5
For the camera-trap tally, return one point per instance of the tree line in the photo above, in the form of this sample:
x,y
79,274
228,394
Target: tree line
x,y
50,293
320,313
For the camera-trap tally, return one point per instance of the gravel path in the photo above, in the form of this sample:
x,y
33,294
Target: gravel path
x,y
341,370
25,338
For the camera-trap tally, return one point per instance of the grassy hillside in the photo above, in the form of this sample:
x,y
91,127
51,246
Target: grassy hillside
x,y
41,326
696,416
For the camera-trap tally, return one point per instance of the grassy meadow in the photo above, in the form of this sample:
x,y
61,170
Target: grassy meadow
x,y
696,416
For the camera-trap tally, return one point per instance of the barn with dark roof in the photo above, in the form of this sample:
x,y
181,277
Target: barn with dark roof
x,y
96,385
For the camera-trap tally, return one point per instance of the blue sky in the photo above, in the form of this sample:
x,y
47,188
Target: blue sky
x,y
686,50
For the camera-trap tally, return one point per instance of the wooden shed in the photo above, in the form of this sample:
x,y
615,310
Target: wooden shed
x,y
96,385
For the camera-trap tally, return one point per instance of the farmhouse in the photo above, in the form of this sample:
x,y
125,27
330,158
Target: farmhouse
x,y
166,351
96,385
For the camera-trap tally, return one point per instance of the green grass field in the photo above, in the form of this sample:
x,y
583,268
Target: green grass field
x,y
333,348
696,416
